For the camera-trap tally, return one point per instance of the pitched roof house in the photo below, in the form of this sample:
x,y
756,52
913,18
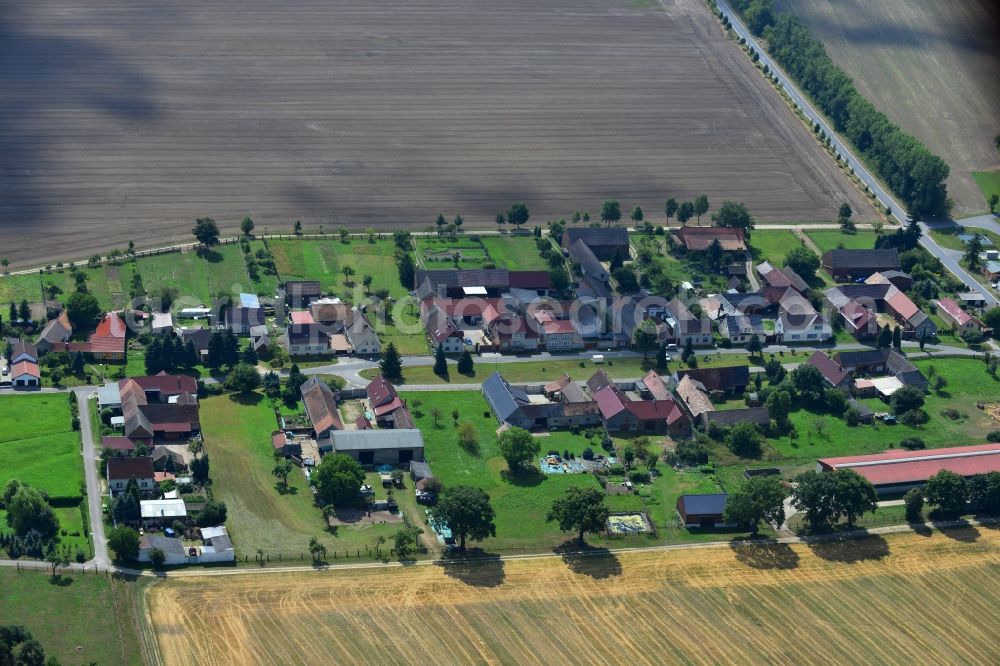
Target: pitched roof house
x,y
834,374
160,406
731,379
390,410
56,330
23,350
950,311
859,264
120,470
321,408
603,242
698,239
589,263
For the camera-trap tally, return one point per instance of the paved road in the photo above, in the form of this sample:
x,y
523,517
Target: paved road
x,y
90,466
988,222
845,151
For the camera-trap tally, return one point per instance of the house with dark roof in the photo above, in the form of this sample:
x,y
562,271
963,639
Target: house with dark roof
x,y
307,339
120,445
23,350
880,362
321,408
603,242
198,337
899,279
379,447
702,511
834,374
698,239
362,337
590,265
389,409
56,331
730,379
300,293
441,329
514,406
739,329
859,320
160,407
171,547
725,418
120,470
510,333
241,319
849,265
284,446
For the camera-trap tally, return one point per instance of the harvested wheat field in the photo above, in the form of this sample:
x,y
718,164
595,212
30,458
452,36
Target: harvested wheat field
x,y
902,599
931,66
125,119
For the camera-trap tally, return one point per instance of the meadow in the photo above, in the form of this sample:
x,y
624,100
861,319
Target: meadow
x,y
515,253
988,182
19,288
773,246
895,599
829,239
261,513
198,276
42,450
77,618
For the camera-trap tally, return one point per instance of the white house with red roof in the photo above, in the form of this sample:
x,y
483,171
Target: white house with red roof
x,y
953,315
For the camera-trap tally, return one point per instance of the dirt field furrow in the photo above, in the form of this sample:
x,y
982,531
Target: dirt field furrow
x,y
127,120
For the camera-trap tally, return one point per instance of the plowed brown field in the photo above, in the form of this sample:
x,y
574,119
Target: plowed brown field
x,y
128,119
902,599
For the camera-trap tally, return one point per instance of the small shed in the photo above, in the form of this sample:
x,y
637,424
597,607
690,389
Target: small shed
x,y
865,413
420,470
704,511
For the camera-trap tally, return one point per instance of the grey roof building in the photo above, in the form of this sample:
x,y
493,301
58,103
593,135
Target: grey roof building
x,y
378,447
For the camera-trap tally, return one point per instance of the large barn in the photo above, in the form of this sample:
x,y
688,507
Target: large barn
x,y
897,471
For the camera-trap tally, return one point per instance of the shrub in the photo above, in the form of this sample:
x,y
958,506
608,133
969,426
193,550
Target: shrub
x,y
950,413
616,470
993,436
914,501
588,453
913,443
638,476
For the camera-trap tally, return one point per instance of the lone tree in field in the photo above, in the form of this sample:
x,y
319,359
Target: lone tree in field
x,y
56,560
317,550
518,214
206,231
611,211
701,206
243,378
580,510
391,364
246,226
518,447
281,470
467,512
760,498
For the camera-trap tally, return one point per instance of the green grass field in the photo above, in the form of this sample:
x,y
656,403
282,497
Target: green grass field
x,y
831,239
520,502
109,284
197,278
988,182
515,253
773,246
76,619
439,252
677,270
38,445
261,515
822,435
19,287
323,260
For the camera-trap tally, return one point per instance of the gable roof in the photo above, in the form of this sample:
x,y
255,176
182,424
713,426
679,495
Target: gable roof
x,y
503,398
320,405
117,443
24,347
655,385
710,504
693,394
723,378
832,371
955,310
607,236
901,304
874,260
163,382
583,255
371,440
123,469
29,368
57,330
699,238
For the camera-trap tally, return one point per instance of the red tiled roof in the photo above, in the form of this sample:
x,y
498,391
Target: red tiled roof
x,y
117,443
278,440
112,326
655,385
699,238
302,317
899,466
902,305
609,402
26,368
166,384
649,410
128,468
955,310
381,392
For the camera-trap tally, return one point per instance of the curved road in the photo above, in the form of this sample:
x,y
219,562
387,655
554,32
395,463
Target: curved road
x,y
845,151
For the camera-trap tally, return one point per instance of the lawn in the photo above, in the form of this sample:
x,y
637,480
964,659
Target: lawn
x,y
515,253
830,239
441,252
520,502
19,288
550,370
324,261
41,449
261,514
773,246
988,182
76,619
109,284
948,237
197,277
821,435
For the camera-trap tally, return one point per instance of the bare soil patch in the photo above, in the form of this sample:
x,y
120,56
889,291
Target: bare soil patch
x,y
930,66
128,120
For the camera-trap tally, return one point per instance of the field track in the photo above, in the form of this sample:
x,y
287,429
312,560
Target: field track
x,y
931,66
127,120
900,599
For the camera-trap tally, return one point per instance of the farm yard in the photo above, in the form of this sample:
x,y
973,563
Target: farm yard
x,y
390,139
722,604
930,66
